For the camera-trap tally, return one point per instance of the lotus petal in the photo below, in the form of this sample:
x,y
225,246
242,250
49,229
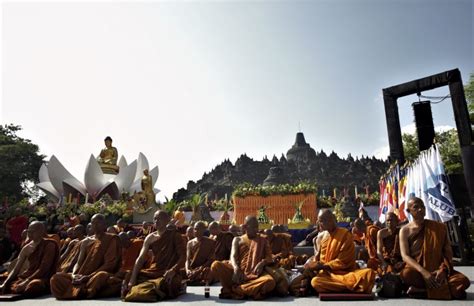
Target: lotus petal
x,y
142,164
49,189
94,178
73,187
43,174
122,162
136,186
125,177
111,189
57,174
154,175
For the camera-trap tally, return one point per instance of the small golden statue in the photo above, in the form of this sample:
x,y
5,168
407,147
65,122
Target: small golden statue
x,y
108,158
147,188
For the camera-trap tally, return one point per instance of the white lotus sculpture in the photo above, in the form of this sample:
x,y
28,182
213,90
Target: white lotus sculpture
x,y
56,181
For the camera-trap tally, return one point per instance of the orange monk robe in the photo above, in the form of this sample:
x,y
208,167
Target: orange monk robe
x,y
432,250
101,260
338,252
42,265
54,237
357,237
64,243
370,241
169,253
130,255
69,258
200,258
391,252
223,245
250,253
282,249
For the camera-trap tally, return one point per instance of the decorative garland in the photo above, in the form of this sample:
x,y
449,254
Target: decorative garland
x,y
247,189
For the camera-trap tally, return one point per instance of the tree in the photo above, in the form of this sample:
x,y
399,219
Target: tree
x,y
469,92
19,162
448,147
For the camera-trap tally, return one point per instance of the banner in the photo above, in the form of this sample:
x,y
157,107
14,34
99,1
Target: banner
x,y
423,178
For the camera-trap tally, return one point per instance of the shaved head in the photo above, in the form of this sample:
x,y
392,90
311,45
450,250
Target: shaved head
x,y
99,226
36,231
79,231
199,229
251,226
327,220
161,219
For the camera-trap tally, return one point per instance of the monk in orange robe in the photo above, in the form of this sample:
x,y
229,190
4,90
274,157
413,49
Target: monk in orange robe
x,y
428,255
282,249
369,241
236,230
223,241
388,246
189,234
200,254
130,250
245,275
69,258
42,255
162,280
65,242
99,255
335,266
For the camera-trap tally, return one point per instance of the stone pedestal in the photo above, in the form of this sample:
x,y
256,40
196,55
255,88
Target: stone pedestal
x,y
147,216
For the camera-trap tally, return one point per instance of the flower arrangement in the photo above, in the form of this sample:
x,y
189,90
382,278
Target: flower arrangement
x,y
247,189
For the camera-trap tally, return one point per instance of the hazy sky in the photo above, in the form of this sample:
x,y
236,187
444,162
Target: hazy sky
x,y
192,83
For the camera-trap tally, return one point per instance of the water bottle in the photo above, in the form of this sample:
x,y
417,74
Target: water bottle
x,y
207,291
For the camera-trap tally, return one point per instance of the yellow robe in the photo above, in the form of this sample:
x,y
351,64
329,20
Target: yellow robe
x,y
201,258
42,265
102,259
251,252
169,253
337,252
432,250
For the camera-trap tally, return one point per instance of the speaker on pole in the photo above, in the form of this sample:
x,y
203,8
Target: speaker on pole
x,y
424,124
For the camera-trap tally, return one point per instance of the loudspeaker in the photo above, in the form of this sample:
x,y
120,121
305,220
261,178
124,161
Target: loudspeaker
x,y
424,124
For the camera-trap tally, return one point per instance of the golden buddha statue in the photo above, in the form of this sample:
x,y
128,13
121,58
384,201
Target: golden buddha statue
x,y
147,188
107,158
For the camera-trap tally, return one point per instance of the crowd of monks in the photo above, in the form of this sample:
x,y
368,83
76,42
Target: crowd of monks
x,y
158,262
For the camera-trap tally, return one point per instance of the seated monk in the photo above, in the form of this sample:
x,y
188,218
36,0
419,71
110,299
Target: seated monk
x,y
120,226
99,256
162,280
388,246
369,254
236,230
428,255
189,234
147,228
282,249
335,266
199,256
244,276
223,241
69,258
42,255
130,250
65,242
